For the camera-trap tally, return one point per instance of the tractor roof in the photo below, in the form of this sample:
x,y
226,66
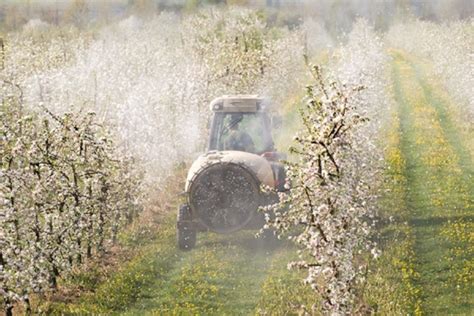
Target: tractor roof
x,y
239,103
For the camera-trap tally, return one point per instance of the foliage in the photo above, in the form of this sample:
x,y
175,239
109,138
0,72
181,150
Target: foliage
x,y
65,192
66,189
151,80
452,63
334,182
150,90
327,196
236,50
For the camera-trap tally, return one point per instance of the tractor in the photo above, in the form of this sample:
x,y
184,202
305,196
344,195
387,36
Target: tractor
x,y
223,189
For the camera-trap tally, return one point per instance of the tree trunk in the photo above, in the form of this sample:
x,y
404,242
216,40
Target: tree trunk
x,y
8,308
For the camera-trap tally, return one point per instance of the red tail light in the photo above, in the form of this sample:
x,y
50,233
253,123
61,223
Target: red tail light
x,y
271,156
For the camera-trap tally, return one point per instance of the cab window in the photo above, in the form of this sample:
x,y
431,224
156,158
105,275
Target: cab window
x,y
232,131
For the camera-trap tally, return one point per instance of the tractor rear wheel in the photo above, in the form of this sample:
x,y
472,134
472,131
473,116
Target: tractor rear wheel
x,y
186,232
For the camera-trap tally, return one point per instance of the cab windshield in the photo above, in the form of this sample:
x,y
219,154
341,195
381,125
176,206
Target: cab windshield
x,y
249,132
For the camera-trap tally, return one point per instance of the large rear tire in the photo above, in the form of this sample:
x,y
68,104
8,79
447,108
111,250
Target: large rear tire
x,y
186,232
224,197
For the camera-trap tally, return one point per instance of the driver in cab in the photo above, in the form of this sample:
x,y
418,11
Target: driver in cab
x,y
238,139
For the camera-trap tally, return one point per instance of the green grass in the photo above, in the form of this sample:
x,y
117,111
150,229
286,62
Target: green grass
x,y
124,287
438,190
283,291
223,275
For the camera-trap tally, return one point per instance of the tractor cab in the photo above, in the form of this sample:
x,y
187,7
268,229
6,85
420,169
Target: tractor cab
x,y
241,123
